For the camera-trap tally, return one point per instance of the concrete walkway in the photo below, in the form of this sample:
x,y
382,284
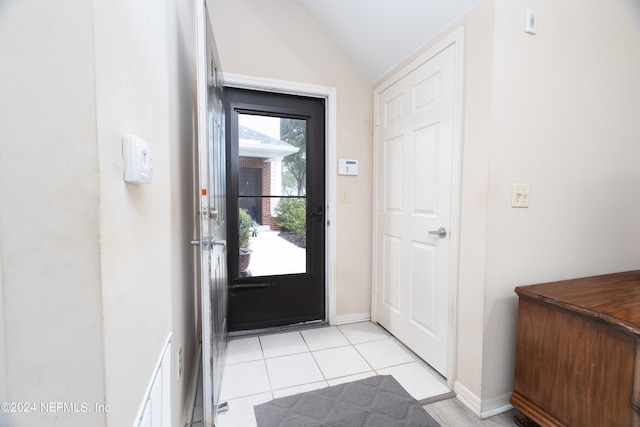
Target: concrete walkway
x,y
273,255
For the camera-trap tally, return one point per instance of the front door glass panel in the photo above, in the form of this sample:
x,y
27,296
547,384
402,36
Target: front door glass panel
x,y
272,201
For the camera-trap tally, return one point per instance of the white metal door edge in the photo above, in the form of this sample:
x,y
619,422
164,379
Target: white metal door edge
x,y
202,168
456,38
190,402
330,94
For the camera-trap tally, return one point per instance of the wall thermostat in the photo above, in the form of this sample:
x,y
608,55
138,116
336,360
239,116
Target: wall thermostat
x,y
347,167
136,155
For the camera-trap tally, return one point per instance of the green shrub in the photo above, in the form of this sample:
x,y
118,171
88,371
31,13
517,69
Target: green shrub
x,y
246,228
292,215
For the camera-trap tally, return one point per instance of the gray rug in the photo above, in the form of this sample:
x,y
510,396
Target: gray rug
x,y
372,402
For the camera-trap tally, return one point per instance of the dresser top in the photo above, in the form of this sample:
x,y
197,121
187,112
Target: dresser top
x,y
612,298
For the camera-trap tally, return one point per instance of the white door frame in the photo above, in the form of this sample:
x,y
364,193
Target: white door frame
x,y
331,203
455,39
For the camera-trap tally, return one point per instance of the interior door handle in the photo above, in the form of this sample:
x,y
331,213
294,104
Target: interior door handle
x,y
440,232
211,242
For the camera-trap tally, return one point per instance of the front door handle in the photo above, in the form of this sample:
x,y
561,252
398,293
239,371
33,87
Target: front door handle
x,y
440,232
317,213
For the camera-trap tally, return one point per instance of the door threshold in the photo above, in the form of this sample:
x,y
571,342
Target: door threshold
x,y
279,329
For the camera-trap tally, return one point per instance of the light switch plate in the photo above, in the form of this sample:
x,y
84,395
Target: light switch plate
x,y
531,22
345,195
520,196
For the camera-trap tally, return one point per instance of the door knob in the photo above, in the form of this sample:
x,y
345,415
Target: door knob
x,y
440,232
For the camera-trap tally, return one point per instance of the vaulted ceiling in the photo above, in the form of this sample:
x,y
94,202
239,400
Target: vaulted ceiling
x,y
379,34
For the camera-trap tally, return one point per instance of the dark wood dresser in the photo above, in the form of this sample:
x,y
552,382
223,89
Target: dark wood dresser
x,y
578,352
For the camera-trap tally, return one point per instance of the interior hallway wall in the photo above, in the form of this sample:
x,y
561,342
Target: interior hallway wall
x,y
281,40
565,121
132,98
145,86
49,210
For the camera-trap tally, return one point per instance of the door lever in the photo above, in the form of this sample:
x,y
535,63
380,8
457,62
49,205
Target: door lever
x,y
440,232
317,213
209,241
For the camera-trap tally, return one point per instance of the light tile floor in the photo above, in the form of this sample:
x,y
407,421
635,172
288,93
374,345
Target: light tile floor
x,y
261,368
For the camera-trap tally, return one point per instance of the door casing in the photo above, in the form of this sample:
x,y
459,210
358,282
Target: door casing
x,y
329,94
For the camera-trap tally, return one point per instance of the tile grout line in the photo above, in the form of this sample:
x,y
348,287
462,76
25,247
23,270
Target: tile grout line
x,y
352,345
315,360
266,368
273,390
365,359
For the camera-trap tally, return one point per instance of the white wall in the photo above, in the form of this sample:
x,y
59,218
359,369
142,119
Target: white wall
x,y
96,273
564,120
49,212
281,40
132,98
473,219
144,75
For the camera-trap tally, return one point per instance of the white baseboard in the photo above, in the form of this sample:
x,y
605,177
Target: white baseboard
x,y
468,399
482,409
495,406
344,319
194,380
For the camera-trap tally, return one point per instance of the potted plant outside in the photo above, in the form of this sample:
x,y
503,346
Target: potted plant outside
x,y
246,230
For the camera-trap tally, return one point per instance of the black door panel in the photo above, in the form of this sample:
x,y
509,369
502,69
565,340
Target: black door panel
x,y
281,186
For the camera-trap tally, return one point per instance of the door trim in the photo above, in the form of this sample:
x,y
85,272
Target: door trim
x,y
456,38
331,202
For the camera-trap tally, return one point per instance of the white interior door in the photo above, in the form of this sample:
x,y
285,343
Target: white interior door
x,y
210,189
415,186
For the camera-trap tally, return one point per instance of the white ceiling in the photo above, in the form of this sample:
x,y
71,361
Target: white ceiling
x,y
379,34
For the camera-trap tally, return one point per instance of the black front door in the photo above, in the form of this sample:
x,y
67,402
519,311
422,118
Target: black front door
x,y
276,209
